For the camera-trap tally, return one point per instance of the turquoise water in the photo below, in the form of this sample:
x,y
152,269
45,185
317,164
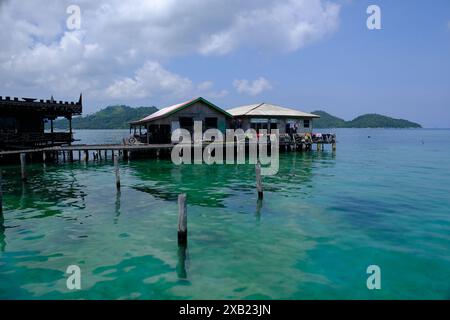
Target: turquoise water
x,y
383,200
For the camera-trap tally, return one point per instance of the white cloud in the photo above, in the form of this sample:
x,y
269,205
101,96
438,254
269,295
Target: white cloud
x,y
206,89
152,79
149,80
252,88
114,52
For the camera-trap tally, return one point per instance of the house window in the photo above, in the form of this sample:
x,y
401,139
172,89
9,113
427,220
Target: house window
x,y
259,126
306,123
187,123
210,123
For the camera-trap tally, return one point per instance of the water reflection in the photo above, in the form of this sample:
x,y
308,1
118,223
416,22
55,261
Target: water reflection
x,y
2,233
117,207
212,185
259,204
183,261
54,186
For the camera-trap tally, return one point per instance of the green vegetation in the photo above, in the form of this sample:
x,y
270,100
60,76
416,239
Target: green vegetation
x,y
112,117
328,121
365,121
119,116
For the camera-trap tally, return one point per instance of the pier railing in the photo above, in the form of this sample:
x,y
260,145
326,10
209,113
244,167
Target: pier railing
x,y
35,139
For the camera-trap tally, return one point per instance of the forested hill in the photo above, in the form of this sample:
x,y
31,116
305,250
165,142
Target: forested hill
x,y
112,117
365,121
119,117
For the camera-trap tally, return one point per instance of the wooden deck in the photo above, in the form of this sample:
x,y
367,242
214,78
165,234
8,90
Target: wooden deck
x,y
90,147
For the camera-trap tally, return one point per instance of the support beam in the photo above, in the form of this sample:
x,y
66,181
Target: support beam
x,y
70,129
1,195
182,220
116,170
259,186
22,166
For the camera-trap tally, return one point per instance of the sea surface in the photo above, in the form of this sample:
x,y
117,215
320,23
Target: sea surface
x,y
383,198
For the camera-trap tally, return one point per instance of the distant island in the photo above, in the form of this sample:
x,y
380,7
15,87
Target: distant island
x,y
111,117
119,116
365,121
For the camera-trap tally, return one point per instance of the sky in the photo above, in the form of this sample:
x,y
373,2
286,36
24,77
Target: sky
x,y
305,54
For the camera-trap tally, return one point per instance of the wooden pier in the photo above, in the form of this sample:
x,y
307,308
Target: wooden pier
x,y
100,151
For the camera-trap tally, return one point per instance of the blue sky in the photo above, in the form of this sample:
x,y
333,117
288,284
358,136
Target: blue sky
x,y
306,54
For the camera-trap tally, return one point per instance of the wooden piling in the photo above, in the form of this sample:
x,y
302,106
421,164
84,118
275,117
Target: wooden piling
x,y
259,186
318,146
182,219
1,195
44,156
99,153
64,156
334,146
128,155
116,169
79,155
22,166
86,155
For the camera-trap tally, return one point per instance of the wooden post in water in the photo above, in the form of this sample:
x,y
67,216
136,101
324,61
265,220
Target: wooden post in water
x,y
44,156
259,185
182,220
22,167
334,146
116,169
318,146
128,155
1,196
64,156
86,155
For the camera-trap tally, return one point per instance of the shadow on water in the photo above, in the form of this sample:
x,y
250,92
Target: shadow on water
x,y
14,274
211,185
